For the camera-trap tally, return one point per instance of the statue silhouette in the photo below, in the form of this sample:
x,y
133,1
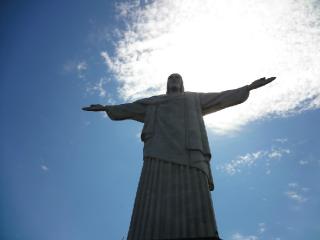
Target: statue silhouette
x,y
173,199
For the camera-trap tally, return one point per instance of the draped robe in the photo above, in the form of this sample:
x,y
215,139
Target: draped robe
x,y
174,133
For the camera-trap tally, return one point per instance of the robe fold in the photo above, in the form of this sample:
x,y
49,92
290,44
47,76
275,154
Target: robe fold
x,y
174,134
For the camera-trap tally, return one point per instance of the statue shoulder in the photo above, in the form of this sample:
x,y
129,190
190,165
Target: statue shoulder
x,y
191,94
151,100
164,97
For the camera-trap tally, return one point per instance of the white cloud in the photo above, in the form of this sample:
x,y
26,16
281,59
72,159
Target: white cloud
x,y
262,228
281,140
79,68
250,159
296,192
246,160
82,66
293,185
44,168
278,153
303,162
107,60
238,236
296,196
98,87
223,44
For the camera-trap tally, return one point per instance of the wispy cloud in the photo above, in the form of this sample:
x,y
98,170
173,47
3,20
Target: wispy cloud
x,y
293,185
82,66
296,193
238,236
105,56
44,168
278,153
296,196
250,159
281,140
246,160
218,45
303,162
98,87
262,228
77,67
125,8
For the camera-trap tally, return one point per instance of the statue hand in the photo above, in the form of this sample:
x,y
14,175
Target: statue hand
x,y
95,108
261,82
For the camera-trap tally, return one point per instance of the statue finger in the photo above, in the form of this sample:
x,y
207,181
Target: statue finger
x,y
271,79
87,108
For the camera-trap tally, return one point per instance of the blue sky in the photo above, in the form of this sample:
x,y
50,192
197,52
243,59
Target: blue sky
x,y
69,174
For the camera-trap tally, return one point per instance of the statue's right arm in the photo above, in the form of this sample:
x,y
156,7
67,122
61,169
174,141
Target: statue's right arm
x,y
95,108
134,111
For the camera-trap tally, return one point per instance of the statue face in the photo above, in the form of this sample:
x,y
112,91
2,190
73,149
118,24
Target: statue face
x,y
175,84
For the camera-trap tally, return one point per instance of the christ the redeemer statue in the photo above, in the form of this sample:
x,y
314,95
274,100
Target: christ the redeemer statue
x,y
173,199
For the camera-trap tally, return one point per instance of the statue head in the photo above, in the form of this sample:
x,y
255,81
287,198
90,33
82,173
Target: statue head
x,y
175,84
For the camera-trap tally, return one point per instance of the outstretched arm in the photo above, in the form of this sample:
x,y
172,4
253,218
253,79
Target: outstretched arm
x,y
134,111
212,102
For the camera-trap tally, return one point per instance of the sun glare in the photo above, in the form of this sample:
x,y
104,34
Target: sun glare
x,y
219,45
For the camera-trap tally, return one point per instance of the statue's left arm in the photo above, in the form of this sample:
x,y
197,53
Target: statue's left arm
x,y
212,102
